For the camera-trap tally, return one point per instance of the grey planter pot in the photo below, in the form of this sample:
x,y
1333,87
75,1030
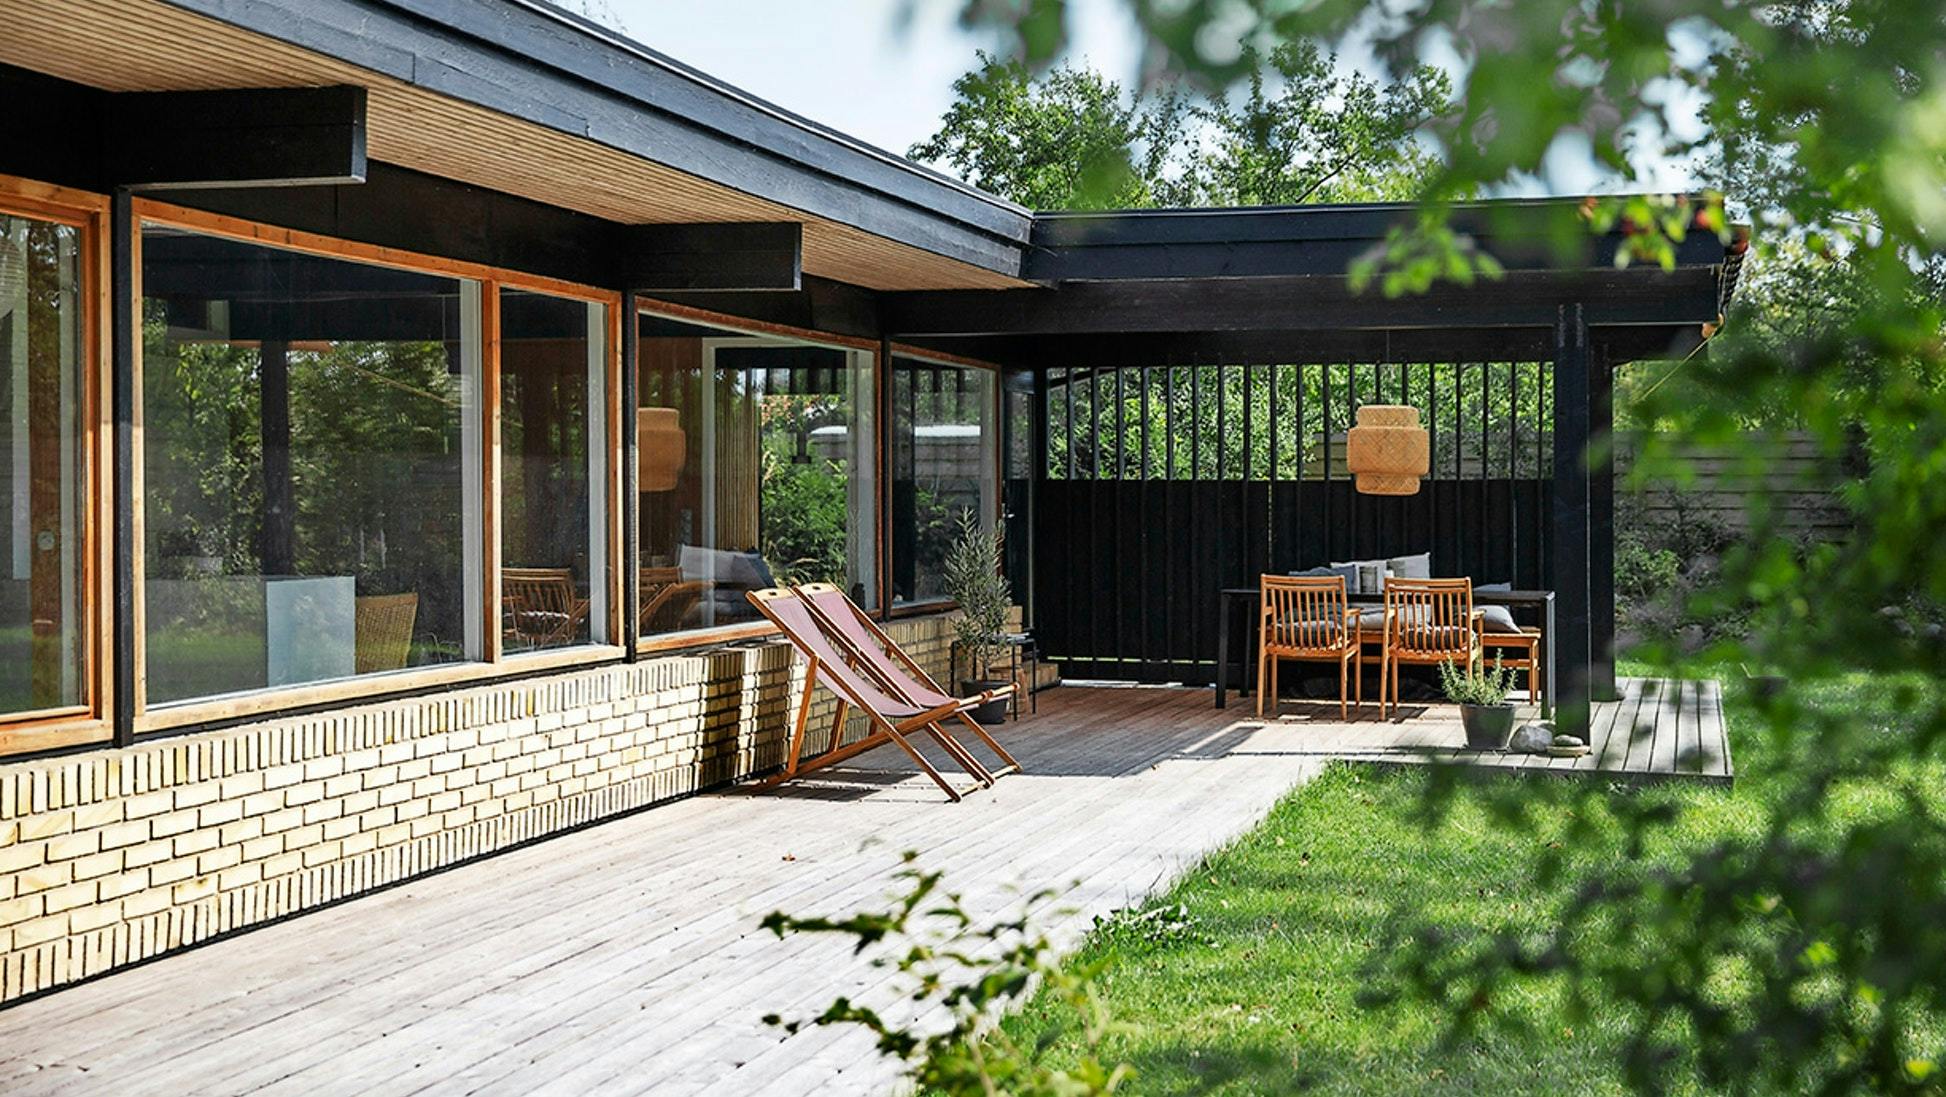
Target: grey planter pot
x,y
1487,726
994,711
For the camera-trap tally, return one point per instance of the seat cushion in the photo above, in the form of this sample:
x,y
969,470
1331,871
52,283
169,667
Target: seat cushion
x,y
1448,637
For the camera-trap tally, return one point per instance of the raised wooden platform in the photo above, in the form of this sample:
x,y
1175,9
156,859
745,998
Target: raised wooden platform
x,y
626,958
1660,729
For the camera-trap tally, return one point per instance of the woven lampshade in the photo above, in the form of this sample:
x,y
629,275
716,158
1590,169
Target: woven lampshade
x,y
1388,450
660,448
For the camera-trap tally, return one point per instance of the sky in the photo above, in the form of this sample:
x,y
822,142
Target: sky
x,y
844,62
849,65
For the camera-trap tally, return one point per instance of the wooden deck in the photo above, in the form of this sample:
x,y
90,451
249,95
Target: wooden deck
x,y
625,958
1659,730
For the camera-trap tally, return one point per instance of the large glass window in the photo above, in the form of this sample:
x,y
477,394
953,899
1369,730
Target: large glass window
x,y
755,468
312,467
553,438
943,462
43,358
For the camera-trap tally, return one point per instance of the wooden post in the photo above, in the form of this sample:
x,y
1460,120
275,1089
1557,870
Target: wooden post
x,y
1601,527
1572,369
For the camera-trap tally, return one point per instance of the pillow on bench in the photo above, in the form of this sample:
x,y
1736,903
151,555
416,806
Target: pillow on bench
x,y
1497,619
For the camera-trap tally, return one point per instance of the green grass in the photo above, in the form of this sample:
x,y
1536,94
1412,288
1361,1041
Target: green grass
x,y
1245,977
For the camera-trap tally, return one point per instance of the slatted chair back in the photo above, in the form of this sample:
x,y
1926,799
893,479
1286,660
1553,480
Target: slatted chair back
x,y
540,590
1430,620
1303,614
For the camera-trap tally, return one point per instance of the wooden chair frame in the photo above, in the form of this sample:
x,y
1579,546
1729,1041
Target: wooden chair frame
x,y
1309,619
891,719
526,591
1527,641
895,671
1427,622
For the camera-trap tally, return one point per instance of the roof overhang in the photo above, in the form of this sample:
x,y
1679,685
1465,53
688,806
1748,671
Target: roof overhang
x,y
518,97
1273,282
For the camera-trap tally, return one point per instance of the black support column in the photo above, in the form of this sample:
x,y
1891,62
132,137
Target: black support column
x,y
1573,367
1601,528
121,403
630,564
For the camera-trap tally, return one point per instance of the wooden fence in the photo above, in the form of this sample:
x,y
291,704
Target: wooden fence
x,y
1788,472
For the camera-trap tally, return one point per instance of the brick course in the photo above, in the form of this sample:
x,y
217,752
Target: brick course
x,y
114,856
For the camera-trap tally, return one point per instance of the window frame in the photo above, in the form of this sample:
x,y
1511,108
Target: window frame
x,y
995,402
611,485
88,722
741,327
494,663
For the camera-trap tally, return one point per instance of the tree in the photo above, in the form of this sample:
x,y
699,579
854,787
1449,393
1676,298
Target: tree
x,y
1805,955
1300,131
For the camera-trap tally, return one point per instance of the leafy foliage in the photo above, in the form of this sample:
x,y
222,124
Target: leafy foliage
x,y
972,973
1301,131
1487,686
1803,952
975,581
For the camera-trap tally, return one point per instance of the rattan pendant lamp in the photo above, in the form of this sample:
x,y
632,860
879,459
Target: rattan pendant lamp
x,y
660,449
1388,451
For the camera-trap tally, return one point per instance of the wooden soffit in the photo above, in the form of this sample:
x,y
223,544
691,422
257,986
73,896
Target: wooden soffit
x,y
148,45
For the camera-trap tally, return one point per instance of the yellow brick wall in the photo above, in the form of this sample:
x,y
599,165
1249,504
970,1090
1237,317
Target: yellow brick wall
x,y
114,856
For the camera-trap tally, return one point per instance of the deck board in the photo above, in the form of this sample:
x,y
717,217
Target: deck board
x,y
625,958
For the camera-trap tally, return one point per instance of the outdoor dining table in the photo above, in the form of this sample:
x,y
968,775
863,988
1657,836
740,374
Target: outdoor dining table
x,y
1542,600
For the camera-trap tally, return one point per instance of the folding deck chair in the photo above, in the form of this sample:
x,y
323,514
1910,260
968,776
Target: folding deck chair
x,y
892,720
894,670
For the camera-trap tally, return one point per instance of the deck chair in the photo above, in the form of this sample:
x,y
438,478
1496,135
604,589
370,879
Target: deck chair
x,y
892,720
895,671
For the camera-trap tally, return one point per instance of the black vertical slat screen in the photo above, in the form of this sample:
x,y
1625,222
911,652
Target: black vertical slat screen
x,y
1203,474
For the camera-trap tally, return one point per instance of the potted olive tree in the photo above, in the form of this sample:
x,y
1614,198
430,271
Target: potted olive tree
x,y
1482,698
973,580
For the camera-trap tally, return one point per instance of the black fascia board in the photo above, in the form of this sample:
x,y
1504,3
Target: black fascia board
x,y
1635,296
532,61
1523,234
1461,346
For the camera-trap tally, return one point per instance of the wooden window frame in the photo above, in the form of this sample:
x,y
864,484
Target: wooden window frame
x,y
344,691
999,470
88,722
611,485
740,326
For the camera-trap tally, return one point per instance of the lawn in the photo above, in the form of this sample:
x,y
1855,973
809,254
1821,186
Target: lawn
x,y
1246,976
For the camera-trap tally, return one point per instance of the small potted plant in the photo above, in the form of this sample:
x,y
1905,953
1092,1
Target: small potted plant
x,y
1482,698
973,580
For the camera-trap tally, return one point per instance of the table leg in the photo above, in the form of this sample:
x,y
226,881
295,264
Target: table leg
x,y
1222,647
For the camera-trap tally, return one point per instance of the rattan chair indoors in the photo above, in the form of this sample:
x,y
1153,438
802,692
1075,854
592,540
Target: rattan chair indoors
x,y
1307,618
382,631
1427,622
